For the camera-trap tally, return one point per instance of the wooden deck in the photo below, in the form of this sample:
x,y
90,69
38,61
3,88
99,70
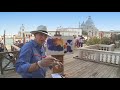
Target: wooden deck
x,y
75,68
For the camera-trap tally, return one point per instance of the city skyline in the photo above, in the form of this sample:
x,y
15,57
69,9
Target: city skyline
x,y
11,21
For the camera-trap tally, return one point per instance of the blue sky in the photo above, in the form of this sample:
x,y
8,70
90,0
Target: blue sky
x,y
11,21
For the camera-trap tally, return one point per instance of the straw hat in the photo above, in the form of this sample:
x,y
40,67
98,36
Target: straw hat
x,y
40,29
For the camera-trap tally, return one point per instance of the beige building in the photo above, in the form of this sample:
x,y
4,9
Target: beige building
x,y
67,31
108,33
88,26
22,32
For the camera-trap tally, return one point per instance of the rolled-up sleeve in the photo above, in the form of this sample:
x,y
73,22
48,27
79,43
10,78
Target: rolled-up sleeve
x,y
23,62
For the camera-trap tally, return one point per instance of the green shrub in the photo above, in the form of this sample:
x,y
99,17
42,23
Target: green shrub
x,y
93,40
105,40
84,33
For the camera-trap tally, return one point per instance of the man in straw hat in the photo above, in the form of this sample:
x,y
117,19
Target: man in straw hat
x,y
32,61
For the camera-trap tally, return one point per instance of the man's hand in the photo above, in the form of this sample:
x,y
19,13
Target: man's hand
x,y
47,61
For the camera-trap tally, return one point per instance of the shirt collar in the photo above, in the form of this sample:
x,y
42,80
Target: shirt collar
x,y
35,43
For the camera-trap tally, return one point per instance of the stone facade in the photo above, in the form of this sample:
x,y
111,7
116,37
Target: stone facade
x,y
89,27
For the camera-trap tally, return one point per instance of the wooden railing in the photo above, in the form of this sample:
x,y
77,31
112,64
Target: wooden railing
x,y
14,48
7,58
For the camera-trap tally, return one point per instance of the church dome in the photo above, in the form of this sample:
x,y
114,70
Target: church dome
x,y
83,24
89,22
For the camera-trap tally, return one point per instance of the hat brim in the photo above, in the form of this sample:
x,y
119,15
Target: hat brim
x,y
33,32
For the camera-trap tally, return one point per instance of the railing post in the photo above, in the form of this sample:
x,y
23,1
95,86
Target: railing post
x,y
118,71
80,54
119,62
97,56
110,48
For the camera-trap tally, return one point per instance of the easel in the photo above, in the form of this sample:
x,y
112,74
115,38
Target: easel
x,y
59,69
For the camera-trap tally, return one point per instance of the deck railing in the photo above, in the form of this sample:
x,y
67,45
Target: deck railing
x,y
14,48
102,54
7,58
102,47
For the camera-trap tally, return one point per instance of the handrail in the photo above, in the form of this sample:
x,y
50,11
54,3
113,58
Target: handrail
x,y
15,48
108,56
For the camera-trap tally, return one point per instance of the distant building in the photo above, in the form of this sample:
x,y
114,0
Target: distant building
x,y
51,33
70,31
23,35
67,31
108,33
22,32
89,27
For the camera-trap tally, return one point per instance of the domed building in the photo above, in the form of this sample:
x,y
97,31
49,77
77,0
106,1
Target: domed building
x,y
89,27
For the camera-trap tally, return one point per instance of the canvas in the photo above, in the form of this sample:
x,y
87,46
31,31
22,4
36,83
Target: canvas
x,y
55,46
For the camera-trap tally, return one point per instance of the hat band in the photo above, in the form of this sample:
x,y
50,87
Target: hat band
x,y
43,31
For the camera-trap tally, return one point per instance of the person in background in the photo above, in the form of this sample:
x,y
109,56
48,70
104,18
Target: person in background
x,y
81,40
74,41
16,43
20,44
32,61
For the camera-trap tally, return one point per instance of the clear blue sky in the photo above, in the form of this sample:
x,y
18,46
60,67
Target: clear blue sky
x,y
11,21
